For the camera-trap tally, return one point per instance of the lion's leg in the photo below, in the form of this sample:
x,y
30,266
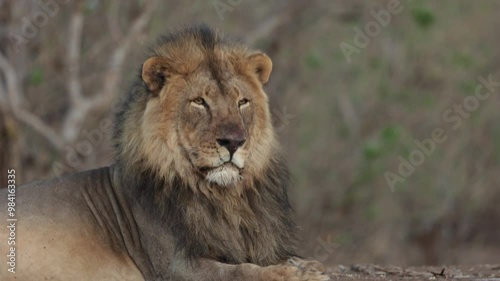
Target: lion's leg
x,y
209,270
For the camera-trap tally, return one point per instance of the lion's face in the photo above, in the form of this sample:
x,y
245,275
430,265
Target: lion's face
x,y
214,125
221,124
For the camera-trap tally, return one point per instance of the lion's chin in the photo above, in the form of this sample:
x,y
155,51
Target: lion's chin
x,y
224,175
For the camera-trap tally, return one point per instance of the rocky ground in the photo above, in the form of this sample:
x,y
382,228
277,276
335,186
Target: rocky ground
x,y
376,272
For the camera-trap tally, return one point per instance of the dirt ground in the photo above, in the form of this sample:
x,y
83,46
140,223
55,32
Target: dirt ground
x,y
376,272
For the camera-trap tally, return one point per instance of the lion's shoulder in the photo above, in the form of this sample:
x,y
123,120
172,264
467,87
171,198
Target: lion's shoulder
x,y
66,193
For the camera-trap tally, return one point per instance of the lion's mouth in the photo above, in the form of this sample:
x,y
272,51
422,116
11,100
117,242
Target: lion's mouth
x,y
226,165
225,174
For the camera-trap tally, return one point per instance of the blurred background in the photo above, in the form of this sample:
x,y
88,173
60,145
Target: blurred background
x,y
356,86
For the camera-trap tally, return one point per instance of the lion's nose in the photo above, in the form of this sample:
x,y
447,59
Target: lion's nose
x,y
231,144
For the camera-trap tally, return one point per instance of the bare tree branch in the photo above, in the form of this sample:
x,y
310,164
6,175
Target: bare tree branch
x,y
268,27
113,76
113,23
12,83
111,80
15,107
73,59
3,96
79,106
3,99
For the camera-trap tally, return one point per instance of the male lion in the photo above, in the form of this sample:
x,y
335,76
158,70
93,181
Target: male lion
x,y
197,191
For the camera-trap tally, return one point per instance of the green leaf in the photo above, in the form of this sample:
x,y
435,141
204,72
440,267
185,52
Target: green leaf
x,y
36,77
313,61
423,17
372,150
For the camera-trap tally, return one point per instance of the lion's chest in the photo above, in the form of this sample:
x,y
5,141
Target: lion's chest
x,y
232,231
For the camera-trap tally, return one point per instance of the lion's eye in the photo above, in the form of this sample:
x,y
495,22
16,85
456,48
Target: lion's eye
x,y
243,102
199,101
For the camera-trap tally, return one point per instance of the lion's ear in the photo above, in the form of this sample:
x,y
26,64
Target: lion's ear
x,y
262,65
154,74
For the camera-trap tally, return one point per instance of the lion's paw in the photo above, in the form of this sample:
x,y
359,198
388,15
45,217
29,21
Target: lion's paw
x,y
291,273
308,265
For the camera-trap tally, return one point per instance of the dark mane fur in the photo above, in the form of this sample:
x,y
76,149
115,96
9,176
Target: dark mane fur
x,y
268,237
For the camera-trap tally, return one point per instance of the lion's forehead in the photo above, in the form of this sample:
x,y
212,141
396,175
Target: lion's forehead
x,y
231,87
